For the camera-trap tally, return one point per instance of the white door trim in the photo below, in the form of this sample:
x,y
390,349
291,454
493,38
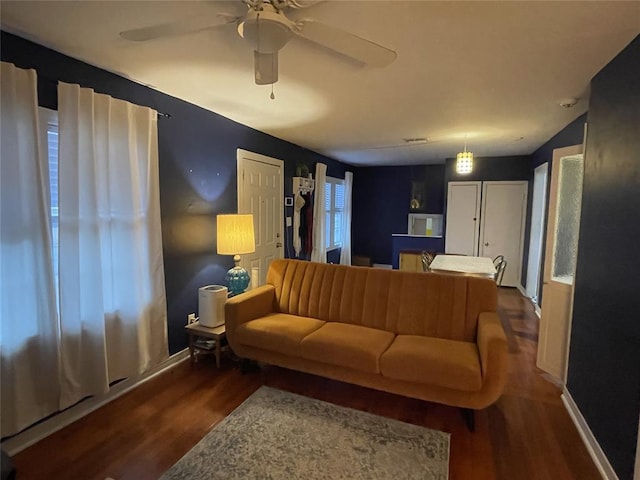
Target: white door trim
x,y
541,171
523,222
546,348
257,157
476,231
246,155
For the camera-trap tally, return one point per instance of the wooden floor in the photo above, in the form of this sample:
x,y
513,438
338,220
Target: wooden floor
x,y
527,434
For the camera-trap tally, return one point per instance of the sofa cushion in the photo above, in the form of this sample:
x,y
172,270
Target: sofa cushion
x,y
279,332
346,345
433,361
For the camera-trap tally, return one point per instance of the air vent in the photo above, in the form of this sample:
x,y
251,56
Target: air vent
x,y
415,141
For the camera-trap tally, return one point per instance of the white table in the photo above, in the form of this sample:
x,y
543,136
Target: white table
x,y
198,334
464,265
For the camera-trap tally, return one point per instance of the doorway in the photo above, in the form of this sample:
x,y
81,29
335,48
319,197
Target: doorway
x,y
561,252
261,193
538,206
463,215
503,212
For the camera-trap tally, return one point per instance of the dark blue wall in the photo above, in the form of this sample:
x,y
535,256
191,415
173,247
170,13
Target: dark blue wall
x,y
197,153
491,169
570,135
604,359
381,203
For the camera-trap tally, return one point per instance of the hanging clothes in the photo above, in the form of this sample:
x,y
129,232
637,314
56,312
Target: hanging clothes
x,y
306,225
298,203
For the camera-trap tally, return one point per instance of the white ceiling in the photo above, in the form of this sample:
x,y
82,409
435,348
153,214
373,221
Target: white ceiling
x,y
491,71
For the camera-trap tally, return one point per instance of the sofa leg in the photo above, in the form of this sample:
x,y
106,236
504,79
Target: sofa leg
x,y
248,366
469,418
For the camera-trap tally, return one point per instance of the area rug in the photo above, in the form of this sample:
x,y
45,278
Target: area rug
x,y
280,435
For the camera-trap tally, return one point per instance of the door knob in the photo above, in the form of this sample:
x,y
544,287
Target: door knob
x,y
486,244
278,245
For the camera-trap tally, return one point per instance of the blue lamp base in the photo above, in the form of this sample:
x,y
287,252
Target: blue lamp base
x,y
237,280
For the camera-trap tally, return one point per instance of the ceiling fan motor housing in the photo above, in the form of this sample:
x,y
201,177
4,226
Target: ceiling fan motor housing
x,y
266,30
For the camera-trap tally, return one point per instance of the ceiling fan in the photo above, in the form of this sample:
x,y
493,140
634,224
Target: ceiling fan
x,y
264,25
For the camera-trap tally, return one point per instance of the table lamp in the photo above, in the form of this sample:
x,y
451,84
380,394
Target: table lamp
x,y
235,237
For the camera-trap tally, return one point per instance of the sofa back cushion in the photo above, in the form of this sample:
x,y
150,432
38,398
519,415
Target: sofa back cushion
x,y
407,303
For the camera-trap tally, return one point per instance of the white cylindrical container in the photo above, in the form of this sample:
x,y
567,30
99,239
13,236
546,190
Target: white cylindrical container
x,y
211,300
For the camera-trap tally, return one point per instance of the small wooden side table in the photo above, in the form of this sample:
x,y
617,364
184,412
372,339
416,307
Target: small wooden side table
x,y
198,343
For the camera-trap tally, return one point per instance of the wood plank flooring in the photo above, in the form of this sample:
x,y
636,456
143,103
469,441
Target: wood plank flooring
x,y
527,434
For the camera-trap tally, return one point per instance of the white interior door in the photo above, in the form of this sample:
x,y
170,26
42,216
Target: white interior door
x,y
538,207
463,215
561,253
261,192
504,207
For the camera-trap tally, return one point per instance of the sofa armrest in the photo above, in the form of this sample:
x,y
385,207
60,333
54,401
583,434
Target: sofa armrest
x,y
255,303
492,345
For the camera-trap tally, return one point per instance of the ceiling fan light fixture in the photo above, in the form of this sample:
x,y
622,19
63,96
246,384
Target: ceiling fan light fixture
x,y
267,31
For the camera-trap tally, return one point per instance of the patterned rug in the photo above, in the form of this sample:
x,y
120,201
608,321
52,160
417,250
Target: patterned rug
x,y
280,435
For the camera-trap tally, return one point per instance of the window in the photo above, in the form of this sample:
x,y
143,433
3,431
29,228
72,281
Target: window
x,y
49,134
334,207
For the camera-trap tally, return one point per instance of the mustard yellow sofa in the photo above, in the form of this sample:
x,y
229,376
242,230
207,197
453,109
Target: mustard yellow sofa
x,y
423,335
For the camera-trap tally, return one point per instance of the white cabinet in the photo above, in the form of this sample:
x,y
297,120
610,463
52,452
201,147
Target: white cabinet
x,y
463,218
503,213
487,219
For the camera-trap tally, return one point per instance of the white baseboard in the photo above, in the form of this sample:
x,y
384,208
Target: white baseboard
x,y
598,456
536,309
34,434
522,291
636,475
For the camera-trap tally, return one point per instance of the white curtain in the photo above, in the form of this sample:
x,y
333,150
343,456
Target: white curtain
x,y
319,250
345,251
112,295
28,317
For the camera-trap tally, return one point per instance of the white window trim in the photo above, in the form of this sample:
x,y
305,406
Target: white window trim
x,y
49,118
330,183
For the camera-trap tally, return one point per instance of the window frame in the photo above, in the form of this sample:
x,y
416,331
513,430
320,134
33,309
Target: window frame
x,y
330,184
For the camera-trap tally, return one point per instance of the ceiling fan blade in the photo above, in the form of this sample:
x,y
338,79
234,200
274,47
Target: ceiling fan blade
x,y
352,46
266,67
189,25
301,3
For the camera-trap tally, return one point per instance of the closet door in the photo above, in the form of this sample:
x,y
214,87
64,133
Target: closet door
x,y
463,218
504,206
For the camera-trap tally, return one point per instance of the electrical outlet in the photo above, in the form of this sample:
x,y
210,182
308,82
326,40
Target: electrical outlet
x,y
191,318
288,221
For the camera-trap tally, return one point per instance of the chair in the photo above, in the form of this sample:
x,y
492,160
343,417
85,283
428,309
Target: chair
x,y
427,258
497,260
500,272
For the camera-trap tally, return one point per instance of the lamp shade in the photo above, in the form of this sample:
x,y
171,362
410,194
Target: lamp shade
x,y
235,234
464,162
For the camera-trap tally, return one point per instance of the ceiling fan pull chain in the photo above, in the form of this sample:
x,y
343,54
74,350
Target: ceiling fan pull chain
x,y
273,61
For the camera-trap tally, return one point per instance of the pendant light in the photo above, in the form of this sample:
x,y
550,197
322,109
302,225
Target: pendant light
x,y
464,160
